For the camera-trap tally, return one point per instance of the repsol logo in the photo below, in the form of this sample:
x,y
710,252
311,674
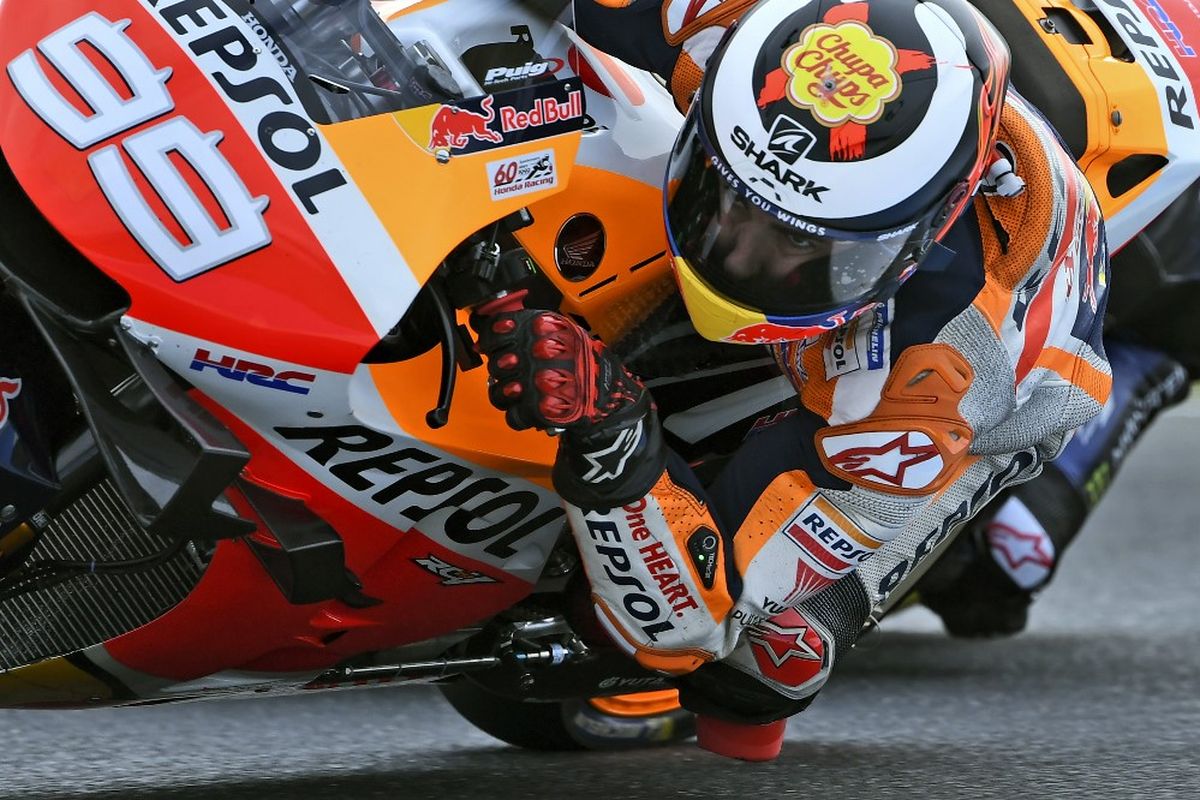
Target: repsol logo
x,y
1139,32
1017,470
770,164
645,605
841,356
486,509
250,78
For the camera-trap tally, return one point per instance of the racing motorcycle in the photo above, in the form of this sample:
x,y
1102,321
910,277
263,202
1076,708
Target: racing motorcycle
x,y
245,445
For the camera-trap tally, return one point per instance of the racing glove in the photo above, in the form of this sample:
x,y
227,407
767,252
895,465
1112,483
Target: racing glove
x,y
546,372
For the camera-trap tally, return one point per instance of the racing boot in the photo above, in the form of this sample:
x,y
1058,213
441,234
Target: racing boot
x,y
985,582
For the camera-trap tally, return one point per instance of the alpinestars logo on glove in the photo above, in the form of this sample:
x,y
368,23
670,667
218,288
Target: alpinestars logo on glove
x,y
608,464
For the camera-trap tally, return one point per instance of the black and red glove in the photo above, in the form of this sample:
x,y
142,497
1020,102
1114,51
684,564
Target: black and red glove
x,y
546,372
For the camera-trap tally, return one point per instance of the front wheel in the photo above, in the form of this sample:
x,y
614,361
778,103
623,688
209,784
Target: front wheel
x,y
609,723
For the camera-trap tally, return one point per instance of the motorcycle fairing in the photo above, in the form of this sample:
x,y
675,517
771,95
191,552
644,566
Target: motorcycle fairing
x,y
306,289
481,540
1120,85
246,224
341,434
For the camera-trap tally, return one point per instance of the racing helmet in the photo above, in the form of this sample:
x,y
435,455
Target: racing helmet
x,y
830,147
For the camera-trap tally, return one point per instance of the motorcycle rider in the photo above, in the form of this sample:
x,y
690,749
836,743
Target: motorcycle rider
x,y
846,180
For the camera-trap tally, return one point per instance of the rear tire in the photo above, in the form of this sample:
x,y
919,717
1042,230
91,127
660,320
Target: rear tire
x,y
564,726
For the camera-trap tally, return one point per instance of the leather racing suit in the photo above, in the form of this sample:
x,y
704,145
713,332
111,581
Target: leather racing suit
x,y
911,419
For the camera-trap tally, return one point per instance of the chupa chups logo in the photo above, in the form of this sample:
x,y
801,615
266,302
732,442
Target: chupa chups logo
x,y
9,389
842,73
789,140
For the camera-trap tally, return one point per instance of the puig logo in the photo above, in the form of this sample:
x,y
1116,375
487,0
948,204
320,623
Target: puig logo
x,y
527,71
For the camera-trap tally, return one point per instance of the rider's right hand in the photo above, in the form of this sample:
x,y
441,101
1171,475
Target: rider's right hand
x,y
546,372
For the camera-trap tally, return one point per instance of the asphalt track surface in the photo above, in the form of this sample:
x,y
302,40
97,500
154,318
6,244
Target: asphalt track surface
x,y
1100,698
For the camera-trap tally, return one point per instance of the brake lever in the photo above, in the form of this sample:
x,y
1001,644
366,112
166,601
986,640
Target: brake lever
x,y
440,415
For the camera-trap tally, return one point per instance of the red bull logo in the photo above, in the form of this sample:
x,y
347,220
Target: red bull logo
x,y
454,128
9,389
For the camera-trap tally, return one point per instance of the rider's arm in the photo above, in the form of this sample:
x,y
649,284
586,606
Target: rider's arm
x,y
671,38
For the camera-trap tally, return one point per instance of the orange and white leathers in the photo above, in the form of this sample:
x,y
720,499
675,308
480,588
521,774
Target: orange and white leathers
x,y
911,418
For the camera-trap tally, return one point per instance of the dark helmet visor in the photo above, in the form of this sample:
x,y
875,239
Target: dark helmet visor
x,y
763,258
